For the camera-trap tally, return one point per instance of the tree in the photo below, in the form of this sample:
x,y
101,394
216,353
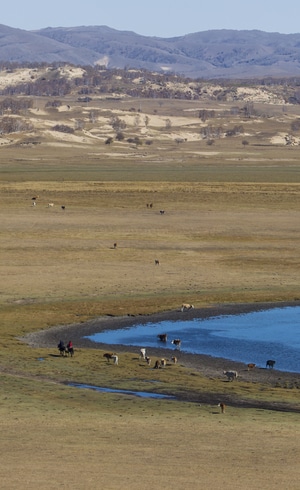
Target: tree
x,y
168,123
117,124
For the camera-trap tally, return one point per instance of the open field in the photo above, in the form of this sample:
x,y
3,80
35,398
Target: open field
x,y
229,235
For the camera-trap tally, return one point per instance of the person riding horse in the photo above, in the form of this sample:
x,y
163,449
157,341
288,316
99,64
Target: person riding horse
x,y
61,347
70,348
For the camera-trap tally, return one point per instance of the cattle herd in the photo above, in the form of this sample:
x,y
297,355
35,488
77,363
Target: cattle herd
x,y
230,374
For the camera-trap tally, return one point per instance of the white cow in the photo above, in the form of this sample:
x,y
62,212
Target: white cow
x,y
50,204
115,358
186,306
143,353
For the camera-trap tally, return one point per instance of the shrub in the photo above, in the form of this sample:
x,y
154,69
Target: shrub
x,y
63,128
13,125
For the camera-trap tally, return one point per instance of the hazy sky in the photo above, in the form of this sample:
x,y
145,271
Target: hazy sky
x,y
163,18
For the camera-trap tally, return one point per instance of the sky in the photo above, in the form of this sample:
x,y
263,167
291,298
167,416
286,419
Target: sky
x,y
162,18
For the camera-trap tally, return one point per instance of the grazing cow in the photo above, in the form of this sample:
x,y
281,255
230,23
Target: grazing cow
x,y
115,245
50,204
270,364
222,407
157,365
34,198
251,365
177,343
186,306
63,207
109,356
156,262
231,375
148,360
115,358
143,353
163,337
162,211
174,359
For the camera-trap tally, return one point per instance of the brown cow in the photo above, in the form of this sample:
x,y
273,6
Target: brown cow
x,y
222,407
163,337
251,365
109,356
157,365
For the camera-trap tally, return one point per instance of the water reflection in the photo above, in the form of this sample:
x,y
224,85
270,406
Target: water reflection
x,y
251,337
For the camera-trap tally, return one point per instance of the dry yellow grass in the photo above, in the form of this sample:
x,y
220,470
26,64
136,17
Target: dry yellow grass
x,y
228,235
86,441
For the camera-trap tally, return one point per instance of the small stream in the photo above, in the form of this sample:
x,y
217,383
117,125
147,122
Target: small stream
x,y
142,394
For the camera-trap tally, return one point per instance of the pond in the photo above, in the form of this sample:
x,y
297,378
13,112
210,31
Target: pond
x,y
250,337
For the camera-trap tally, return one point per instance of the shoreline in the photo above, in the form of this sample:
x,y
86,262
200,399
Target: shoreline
x,y
206,364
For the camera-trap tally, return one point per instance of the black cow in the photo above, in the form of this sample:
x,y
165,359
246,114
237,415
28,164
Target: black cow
x,y
270,364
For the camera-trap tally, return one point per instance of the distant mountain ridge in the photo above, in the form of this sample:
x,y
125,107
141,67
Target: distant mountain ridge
x,y
209,54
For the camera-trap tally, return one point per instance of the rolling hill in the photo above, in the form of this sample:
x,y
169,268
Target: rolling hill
x,y
213,54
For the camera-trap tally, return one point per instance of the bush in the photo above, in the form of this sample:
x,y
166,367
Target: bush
x,y
63,128
119,136
13,125
136,140
54,103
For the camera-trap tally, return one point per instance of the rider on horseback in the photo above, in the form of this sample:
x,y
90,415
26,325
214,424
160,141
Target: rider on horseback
x,y
61,346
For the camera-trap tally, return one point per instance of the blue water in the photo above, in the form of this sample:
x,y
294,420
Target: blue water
x,y
142,394
251,337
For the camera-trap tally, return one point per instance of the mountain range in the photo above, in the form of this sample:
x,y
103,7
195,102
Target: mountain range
x,y
213,54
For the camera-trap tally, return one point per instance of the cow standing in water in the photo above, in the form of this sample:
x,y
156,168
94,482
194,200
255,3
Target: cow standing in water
x,y
177,343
